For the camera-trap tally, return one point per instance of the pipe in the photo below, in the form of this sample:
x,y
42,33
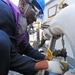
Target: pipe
x,y
64,23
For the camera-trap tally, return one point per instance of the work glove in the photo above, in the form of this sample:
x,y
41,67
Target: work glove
x,y
70,72
55,67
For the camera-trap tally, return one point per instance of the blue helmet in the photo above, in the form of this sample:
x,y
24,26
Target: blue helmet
x,y
40,4
36,4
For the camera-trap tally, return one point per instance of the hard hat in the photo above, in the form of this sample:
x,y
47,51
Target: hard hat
x,y
40,4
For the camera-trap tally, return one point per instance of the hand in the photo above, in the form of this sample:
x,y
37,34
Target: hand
x,y
55,67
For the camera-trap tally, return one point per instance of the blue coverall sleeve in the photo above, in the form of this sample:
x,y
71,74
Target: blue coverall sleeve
x,y
32,52
22,64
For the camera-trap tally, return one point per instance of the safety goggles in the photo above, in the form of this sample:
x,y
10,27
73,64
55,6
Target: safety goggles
x,y
33,7
37,11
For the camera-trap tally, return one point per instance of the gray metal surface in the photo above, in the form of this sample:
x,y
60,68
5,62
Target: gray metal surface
x,y
40,72
14,73
71,61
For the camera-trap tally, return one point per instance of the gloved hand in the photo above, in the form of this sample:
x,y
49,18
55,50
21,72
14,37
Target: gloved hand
x,y
70,72
55,67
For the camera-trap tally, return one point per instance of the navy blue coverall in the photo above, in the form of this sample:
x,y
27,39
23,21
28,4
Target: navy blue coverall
x,y
10,58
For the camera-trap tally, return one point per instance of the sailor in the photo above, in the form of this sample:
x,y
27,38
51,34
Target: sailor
x,y
12,47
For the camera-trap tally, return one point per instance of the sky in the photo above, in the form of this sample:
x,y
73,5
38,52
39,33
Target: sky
x,y
16,1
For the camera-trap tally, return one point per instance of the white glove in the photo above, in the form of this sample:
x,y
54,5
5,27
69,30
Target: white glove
x,y
70,72
55,67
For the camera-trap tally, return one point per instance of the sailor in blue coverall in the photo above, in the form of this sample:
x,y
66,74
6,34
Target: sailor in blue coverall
x,y
9,56
13,44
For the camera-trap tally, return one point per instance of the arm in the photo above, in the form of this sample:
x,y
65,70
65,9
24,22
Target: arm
x,y
39,65
52,66
34,53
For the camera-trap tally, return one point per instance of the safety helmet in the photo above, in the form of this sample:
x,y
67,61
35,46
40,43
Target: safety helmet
x,y
39,4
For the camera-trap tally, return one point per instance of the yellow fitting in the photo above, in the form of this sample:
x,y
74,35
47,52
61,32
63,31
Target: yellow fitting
x,y
49,53
61,2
